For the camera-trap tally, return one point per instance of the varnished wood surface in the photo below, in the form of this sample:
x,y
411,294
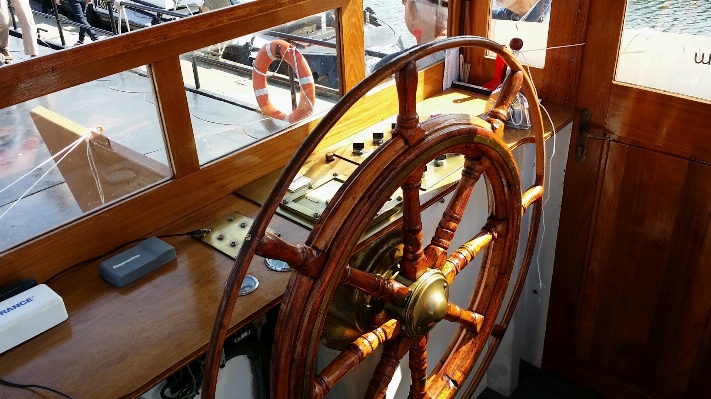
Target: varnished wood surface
x,y
644,309
351,41
119,342
559,80
174,115
635,118
623,206
580,197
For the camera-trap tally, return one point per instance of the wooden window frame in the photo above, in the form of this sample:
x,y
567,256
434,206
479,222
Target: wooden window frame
x,y
193,186
557,81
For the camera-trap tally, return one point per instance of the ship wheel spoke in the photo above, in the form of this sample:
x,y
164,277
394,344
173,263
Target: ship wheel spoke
x,y
301,258
353,355
470,249
472,321
413,261
371,284
393,351
530,196
509,90
408,122
418,369
436,251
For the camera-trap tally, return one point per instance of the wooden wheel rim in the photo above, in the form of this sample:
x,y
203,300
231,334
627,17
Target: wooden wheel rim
x,y
300,366
270,205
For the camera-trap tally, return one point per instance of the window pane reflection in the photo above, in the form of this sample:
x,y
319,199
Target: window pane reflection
x,y
54,163
525,19
666,45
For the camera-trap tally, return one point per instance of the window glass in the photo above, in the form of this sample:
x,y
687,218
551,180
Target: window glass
x,y
524,19
392,26
666,45
251,87
55,162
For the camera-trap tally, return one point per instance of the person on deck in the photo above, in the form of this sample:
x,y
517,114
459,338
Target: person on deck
x,y
27,23
426,19
522,10
78,8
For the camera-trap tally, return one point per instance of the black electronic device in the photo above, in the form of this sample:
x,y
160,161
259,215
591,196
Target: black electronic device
x,y
17,288
137,261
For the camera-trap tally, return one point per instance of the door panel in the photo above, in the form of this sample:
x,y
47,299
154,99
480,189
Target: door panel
x,y
645,300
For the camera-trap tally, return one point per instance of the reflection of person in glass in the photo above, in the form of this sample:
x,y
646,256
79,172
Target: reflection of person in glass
x,y
522,10
426,19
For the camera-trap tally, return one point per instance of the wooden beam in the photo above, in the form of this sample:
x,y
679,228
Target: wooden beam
x,y
174,115
560,76
351,57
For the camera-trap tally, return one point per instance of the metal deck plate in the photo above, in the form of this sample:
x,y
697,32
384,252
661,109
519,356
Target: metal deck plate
x,y
227,233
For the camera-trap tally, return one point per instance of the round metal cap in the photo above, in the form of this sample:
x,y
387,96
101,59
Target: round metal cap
x,y
427,304
277,265
249,284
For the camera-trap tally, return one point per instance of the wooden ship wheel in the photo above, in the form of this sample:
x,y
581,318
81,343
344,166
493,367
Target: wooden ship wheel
x,y
417,298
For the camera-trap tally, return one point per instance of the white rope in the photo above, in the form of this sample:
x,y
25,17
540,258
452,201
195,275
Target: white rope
x,y
550,176
296,70
43,163
72,147
94,170
550,48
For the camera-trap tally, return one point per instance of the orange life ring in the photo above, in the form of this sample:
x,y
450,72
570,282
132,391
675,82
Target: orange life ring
x,y
279,49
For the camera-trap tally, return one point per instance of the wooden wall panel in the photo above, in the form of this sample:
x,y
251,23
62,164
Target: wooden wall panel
x,y
700,384
582,180
656,120
351,65
568,22
646,301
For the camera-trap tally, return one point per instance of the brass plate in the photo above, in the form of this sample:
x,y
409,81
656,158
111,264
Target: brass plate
x,y
227,233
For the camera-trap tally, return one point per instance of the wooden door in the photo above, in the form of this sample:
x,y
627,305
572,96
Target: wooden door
x,y
630,309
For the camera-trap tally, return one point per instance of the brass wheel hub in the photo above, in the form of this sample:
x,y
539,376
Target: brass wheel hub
x,y
426,305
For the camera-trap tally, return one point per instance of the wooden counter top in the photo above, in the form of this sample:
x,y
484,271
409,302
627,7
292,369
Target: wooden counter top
x,y
120,342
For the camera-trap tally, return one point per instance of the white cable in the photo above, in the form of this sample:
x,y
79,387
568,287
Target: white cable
x,y
550,48
43,163
94,170
74,145
550,176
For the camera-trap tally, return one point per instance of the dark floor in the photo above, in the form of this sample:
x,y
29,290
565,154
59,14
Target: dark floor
x,y
535,383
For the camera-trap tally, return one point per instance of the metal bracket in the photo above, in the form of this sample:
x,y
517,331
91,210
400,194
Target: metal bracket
x,y
583,128
581,145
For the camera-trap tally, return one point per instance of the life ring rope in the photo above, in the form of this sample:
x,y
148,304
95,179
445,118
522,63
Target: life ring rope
x,y
303,76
